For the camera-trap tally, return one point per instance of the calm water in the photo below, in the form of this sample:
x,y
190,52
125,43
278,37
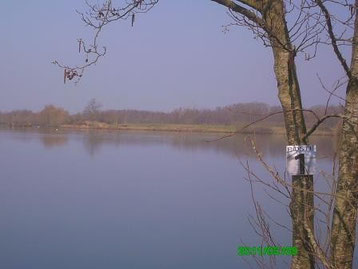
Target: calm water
x,y
74,200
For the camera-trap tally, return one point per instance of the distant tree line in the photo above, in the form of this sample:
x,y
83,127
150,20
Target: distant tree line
x,y
50,116
238,114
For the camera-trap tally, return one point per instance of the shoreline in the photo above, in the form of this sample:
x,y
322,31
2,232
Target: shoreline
x,y
178,128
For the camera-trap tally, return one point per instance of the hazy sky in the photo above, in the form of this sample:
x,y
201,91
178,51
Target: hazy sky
x,y
175,56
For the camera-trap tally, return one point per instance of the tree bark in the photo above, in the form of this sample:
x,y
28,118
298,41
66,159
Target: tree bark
x,y
301,206
343,233
345,210
302,212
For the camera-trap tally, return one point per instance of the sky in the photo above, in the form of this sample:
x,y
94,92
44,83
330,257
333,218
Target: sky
x,y
177,55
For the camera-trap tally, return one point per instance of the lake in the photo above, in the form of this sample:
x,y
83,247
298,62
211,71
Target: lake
x,y
93,199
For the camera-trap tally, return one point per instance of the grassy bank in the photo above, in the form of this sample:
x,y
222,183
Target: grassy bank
x,y
154,127
225,129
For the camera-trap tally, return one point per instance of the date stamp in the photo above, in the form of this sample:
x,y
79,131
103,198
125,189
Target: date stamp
x,y
268,250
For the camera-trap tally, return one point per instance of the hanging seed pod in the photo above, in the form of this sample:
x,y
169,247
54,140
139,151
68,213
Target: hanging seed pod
x,y
133,18
64,76
79,45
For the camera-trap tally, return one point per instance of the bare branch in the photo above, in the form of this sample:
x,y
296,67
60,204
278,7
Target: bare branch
x,y
97,17
333,39
319,122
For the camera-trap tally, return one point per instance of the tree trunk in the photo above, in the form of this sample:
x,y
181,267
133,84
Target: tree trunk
x,y
272,22
301,208
345,210
301,205
343,233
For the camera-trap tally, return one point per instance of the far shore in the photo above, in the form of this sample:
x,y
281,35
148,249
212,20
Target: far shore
x,y
187,128
180,128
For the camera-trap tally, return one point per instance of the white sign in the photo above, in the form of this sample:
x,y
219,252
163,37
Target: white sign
x,y
301,160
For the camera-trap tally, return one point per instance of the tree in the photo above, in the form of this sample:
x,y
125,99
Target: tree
x,y
91,111
52,116
268,20
21,118
345,209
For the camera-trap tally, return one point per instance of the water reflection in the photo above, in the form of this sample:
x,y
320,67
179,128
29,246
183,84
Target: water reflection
x,y
50,141
141,200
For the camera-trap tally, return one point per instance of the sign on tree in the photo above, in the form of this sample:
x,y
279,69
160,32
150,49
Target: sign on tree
x,y
301,159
